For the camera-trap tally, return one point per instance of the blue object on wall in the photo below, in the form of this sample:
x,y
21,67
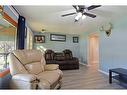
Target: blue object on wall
x,y
21,33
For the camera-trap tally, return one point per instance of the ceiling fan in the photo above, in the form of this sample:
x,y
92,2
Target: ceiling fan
x,y
82,11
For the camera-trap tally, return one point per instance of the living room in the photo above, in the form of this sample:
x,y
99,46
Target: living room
x,y
46,33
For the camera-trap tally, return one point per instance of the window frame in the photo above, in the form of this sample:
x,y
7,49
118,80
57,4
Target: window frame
x,y
14,23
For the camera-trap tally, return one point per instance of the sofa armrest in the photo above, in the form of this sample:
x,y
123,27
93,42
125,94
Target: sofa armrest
x,y
74,58
24,77
51,67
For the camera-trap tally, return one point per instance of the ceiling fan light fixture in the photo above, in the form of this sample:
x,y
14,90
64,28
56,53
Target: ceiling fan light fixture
x,y
76,18
83,16
79,15
82,11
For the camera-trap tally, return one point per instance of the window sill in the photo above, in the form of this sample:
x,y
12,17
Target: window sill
x,y
4,73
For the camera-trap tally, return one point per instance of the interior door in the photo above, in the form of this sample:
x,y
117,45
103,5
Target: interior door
x,y
93,49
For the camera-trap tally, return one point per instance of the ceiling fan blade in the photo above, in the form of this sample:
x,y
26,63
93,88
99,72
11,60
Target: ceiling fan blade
x,y
90,15
93,7
68,14
81,6
75,6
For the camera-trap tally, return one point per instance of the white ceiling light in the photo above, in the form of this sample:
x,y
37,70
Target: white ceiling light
x,y
79,15
83,16
76,18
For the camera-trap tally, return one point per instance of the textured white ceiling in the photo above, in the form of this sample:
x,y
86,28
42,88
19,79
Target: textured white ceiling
x,y
49,18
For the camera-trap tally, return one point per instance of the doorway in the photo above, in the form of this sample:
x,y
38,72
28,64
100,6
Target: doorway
x,y
93,49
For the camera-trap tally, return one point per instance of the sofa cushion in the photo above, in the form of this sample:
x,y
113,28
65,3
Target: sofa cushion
x,y
50,61
34,68
51,67
68,57
59,56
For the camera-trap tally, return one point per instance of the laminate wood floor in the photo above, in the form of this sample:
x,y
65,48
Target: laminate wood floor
x,y
87,78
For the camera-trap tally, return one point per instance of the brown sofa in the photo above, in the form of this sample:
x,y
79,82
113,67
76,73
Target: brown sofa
x,y
64,59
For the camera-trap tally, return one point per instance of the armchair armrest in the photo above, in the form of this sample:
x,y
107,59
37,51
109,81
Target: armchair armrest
x,y
51,67
25,77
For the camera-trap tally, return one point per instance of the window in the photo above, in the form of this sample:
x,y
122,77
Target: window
x,y
29,39
7,42
5,48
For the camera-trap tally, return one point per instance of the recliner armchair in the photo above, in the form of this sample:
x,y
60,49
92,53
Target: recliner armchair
x,y
29,71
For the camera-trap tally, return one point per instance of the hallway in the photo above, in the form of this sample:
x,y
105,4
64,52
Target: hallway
x,y
87,78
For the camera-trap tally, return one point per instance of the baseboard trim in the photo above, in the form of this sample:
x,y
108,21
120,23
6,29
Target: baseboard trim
x,y
103,72
83,64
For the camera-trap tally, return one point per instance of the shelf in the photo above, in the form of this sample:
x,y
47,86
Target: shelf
x,y
122,80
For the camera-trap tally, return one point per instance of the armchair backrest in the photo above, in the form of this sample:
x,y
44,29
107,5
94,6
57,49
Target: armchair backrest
x,y
26,61
68,54
49,54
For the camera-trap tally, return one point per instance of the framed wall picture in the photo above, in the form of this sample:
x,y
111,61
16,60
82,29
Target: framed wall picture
x,y
75,39
57,37
39,39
